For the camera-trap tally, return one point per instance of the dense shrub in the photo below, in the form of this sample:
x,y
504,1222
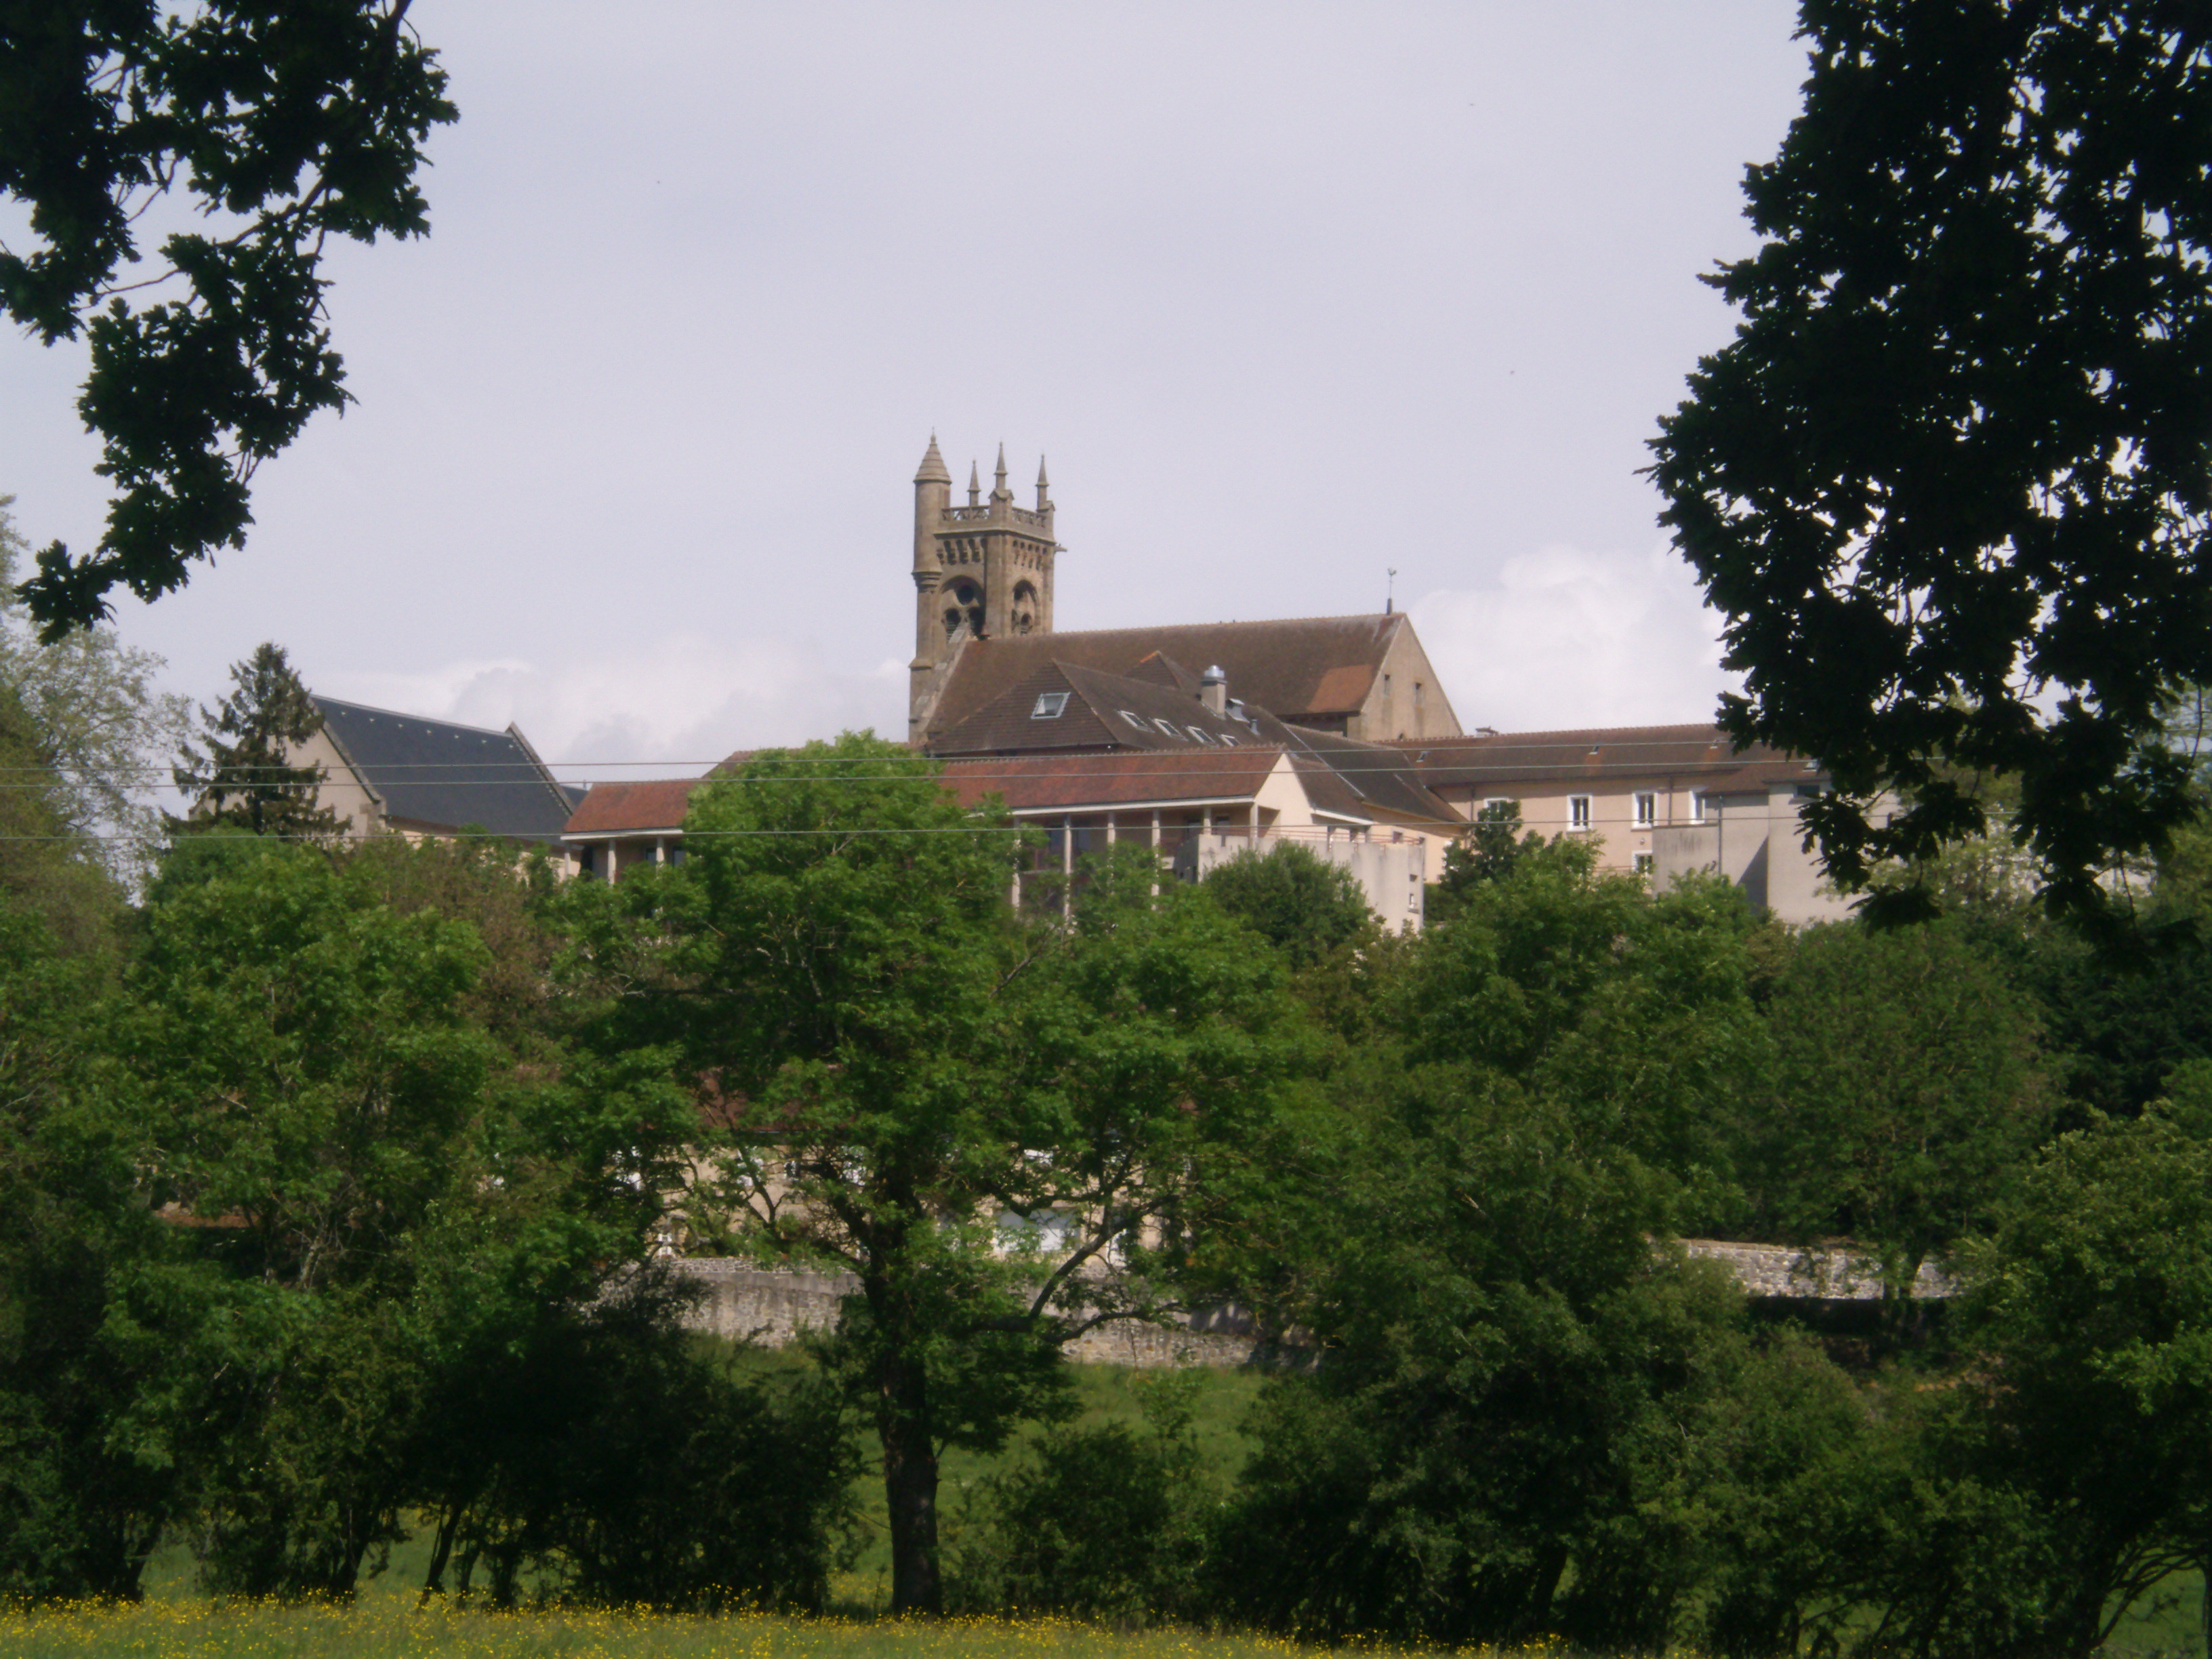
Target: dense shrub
x,y
1099,1522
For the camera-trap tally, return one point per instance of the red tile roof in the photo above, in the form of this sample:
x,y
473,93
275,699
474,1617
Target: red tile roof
x,y
633,808
1030,783
1094,715
1589,755
1299,669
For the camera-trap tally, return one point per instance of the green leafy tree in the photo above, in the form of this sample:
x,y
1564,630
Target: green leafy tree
x,y
1494,1444
2085,1429
1950,472
243,774
1486,852
310,1089
284,126
1489,1448
1102,1522
1634,1012
994,1125
48,870
103,725
1908,1090
1304,905
385,1193
614,1459
86,1479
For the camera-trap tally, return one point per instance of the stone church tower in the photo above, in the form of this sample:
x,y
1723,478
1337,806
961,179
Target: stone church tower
x,y
981,571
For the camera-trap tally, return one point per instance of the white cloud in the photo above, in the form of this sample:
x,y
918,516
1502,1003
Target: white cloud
x,y
686,700
1566,638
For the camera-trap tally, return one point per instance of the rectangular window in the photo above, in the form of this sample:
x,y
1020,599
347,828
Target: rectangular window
x,y
1133,718
1502,803
1167,727
1644,863
1696,806
1578,812
1049,705
1203,736
1647,809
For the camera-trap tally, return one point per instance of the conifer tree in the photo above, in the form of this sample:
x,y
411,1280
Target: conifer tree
x,y
244,774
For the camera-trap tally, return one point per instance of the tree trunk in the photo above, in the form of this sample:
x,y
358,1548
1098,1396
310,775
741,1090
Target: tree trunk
x,y
909,1484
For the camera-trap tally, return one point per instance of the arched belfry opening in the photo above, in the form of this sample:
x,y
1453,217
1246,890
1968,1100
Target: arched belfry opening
x,y
982,569
964,604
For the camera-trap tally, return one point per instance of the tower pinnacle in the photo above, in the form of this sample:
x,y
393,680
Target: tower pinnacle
x,y
1001,493
974,488
933,467
1044,501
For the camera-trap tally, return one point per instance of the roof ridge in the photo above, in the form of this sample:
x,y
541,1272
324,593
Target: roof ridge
x,y
1561,732
319,699
1064,757
1171,627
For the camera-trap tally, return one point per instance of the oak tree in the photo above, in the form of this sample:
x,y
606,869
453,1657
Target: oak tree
x,y
1948,484
993,1123
283,125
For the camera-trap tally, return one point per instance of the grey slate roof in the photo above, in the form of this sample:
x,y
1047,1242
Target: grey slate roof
x,y
434,775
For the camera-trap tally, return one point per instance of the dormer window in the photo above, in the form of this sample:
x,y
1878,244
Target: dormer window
x,y
1228,742
1168,728
1203,736
1133,718
1049,706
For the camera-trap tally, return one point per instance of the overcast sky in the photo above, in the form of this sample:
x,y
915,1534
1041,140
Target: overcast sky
x,y
1290,294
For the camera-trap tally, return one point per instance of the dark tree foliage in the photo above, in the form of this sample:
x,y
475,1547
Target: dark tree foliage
x,y
285,124
618,1461
1907,1091
1951,469
85,1491
1304,905
1486,1451
2081,1447
1487,853
1096,1523
244,776
383,1186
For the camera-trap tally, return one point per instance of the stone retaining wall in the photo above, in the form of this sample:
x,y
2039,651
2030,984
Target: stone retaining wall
x,y
771,1306
1781,1271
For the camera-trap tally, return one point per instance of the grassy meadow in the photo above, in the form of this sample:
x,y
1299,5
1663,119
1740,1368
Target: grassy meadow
x,y
386,1627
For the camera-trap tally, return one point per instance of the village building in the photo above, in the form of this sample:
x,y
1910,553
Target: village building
x,y
382,771
1207,741
1663,801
